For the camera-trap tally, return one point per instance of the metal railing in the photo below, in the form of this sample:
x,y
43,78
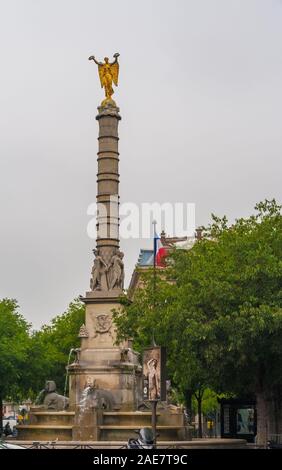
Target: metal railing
x,y
69,445
274,441
91,445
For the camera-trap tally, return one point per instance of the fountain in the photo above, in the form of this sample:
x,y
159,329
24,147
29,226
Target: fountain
x,y
50,418
105,380
72,351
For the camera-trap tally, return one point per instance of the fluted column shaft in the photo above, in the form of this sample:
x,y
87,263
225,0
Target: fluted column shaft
x,y
108,182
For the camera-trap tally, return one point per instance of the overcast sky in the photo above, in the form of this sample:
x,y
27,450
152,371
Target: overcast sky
x,y
200,97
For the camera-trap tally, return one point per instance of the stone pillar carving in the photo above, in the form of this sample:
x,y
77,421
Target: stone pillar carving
x,y
110,275
100,357
107,271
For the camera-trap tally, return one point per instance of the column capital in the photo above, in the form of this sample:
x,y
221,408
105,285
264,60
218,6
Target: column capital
x,y
108,110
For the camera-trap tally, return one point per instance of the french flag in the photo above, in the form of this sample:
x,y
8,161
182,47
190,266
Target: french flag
x,y
160,252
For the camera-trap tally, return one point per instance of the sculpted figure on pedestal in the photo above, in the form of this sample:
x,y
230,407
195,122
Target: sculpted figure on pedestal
x,y
116,271
98,270
50,399
108,74
94,397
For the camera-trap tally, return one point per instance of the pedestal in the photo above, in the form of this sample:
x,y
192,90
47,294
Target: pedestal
x,y
113,369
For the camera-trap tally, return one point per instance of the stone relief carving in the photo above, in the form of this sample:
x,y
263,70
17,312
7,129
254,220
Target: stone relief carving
x,y
76,352
90,382
116,271
102,324
108,270
98,271
126,355
83,333
127,382
94,397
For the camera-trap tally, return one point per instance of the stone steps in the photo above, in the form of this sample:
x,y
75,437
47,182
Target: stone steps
x,y
45,432
134,427
120,432
43,426
52,418
110,426
123,418
53,413
141,419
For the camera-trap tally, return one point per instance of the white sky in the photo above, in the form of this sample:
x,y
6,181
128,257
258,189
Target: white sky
x,y
200,96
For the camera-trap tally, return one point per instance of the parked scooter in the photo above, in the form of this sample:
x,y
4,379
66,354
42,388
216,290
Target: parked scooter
x,y
7,431
145,440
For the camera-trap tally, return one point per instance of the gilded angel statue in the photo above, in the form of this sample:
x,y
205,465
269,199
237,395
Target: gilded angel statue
x,y
108,73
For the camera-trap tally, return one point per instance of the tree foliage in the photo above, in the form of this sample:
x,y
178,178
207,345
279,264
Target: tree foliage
x,y
50,348
218,308
29,358
14,345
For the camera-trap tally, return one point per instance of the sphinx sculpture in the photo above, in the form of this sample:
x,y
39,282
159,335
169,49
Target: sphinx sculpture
x,y
50,399
94,397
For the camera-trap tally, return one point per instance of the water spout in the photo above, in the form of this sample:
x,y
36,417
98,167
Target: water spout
x,y
72,350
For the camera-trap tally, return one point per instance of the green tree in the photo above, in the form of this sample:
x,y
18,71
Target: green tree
x,y
50,348
14,345
221,316
235,274
151,318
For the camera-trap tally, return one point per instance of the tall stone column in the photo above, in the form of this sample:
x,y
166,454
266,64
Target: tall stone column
x,y
113,369
108,269
108,180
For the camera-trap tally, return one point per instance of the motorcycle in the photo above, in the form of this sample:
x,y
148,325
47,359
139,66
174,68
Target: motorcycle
x,y
7,431
145,440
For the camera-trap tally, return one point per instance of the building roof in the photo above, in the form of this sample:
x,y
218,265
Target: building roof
x,y
146,258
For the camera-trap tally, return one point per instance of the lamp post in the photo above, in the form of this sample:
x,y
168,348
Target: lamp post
x,y
154,420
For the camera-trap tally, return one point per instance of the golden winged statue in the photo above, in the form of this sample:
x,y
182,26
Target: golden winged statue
x,y
108,73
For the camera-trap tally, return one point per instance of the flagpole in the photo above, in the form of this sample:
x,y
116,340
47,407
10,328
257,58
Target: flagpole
x,y
154,270
154,402
154,275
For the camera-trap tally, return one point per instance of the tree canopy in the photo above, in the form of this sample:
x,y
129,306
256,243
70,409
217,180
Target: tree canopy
x,y
218,307
14,344
50,348
29,358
